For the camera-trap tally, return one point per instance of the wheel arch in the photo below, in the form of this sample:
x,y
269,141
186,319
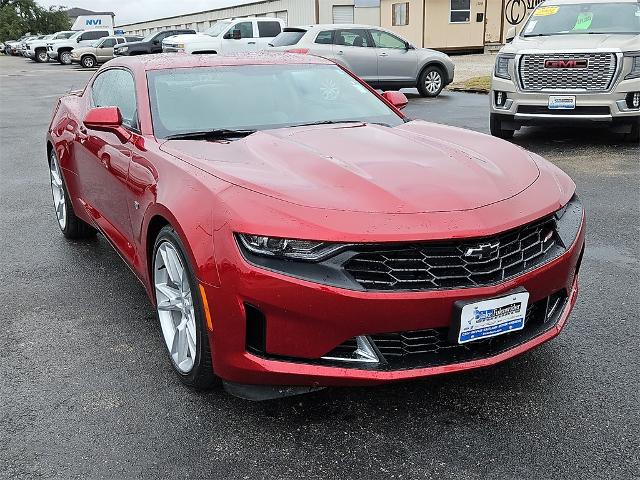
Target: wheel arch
x,y
201,52
95,59
434,63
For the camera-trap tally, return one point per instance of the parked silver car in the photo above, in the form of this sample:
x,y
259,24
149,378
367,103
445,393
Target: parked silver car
x,y
378,56
100,51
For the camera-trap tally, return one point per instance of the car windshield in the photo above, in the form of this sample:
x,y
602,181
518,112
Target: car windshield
x,y
584,18
97,43
149,37
259,97
217,28
64,35
286,38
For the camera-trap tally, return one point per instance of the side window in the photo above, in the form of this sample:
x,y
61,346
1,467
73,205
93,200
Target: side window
x,y
325,38
94,35
352,38
161,36
116,88
108,43
246,29
386,40
268,29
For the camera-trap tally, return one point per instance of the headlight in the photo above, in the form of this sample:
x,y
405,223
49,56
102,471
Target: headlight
x,y
635,65
286,248
123,49
502,66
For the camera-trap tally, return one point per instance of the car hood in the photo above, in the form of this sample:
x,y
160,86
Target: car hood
x,y
190,38
579,41
414,168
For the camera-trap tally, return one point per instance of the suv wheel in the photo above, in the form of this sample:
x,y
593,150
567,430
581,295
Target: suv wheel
x,y
495,125
41,56
431,82
65,57
88,61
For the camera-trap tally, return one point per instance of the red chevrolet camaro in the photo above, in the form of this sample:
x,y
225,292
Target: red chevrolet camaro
x,y
294,230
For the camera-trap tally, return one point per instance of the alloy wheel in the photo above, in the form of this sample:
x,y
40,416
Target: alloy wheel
x,y
88,62
65,58
175,306
432,82
57,188
42,56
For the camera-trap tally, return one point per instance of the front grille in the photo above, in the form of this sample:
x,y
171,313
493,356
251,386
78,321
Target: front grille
x,y
430,266
431,347
597,76
542,109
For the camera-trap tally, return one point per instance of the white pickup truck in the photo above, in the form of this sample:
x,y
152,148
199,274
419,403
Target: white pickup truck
x,y
60,50
228,36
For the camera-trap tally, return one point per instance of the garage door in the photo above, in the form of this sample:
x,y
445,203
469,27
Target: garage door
x,y
343,14
283,16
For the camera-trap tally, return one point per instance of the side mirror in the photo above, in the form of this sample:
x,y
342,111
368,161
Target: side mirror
x,y
511,34
107,119
236,34
79,39
397,99
408,46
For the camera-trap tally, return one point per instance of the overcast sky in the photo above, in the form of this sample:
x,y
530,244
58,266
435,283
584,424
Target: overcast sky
x,y
128,11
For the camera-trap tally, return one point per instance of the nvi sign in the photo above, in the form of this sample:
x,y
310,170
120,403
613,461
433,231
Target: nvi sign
x,y
84,22
93,22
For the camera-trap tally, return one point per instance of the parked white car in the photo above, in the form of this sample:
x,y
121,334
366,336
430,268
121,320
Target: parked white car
x,y
228,36
60,50
37,49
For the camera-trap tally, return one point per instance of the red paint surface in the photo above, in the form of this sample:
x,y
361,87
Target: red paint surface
x,y
419,181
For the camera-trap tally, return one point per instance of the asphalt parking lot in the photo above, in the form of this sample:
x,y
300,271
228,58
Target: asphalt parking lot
x,y
86,390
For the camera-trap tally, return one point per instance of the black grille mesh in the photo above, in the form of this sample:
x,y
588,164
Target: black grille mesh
x,y
430,266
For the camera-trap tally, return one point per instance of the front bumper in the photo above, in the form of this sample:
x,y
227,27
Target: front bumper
x,y
305,320
531,108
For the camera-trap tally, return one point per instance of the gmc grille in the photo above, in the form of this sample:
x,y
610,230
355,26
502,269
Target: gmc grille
x,y
429,266
597,76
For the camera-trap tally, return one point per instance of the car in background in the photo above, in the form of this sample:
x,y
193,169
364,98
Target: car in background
x,y
60,50
99,51
37,49
574,62
11,47
248,34
152,43
23,45
1,47
380,57
293,228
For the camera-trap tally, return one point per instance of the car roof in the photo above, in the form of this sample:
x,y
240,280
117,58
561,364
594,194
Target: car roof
x,y
329,26
164,61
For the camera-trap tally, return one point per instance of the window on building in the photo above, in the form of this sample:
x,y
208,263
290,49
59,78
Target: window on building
x,y
460,11
343,14
269,29
188,26
400,14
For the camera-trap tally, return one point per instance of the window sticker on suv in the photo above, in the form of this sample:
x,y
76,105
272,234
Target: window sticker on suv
x,y
546,11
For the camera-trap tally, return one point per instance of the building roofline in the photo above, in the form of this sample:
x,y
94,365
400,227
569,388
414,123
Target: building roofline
x,y
192,13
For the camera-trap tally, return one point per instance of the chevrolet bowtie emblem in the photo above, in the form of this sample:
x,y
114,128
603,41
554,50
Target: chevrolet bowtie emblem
x,y
482,251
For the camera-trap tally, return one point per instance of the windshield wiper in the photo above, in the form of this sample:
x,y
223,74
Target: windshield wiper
x,y
215,134
337,122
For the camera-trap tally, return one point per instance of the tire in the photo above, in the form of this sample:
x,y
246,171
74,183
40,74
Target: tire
x,y
181,315
71,226
64,57
634,135
88,61
41,56
495,125
431,81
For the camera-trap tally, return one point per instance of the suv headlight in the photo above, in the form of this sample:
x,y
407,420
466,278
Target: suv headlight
x,y
287,248
635,65
123,49
502,66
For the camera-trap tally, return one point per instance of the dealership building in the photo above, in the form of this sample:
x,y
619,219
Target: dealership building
x,y
442,24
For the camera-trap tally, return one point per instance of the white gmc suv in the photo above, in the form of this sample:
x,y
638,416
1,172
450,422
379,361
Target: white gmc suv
x,y
228,36
574,61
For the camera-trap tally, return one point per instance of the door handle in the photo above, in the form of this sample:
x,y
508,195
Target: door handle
x,y
251,43
340,52
384,54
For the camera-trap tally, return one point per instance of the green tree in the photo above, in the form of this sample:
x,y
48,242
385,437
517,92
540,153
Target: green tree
x,y
18,17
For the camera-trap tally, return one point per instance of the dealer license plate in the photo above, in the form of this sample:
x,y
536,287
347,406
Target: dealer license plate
x,y
490,318
562,102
